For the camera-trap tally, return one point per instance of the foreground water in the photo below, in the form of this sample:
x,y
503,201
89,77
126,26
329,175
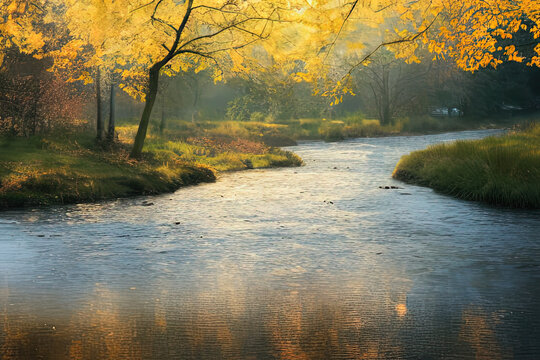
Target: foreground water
x,y
306,263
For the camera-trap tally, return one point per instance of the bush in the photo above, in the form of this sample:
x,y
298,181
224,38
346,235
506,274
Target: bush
x,y
331,131
37,102
257,117
238,109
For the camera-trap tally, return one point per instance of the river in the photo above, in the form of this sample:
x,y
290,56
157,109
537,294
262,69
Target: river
x,y
315,262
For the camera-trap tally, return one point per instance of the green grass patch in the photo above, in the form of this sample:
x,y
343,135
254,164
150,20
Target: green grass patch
x,y
39,171
60,170
500,170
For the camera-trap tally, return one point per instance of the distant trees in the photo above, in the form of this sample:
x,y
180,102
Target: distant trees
x,y
391,86
130,44
33,100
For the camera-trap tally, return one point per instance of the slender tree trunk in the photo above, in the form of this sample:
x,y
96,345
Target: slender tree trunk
x,y
145,118
99,119
34,116
112,110
386,116
163,122
195,101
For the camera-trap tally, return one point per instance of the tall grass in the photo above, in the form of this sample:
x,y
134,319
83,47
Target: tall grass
x,y
287,132
222,156
500,170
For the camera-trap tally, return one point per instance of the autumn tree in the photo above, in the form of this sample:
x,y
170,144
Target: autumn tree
x,y
91,55
139,40
27,34
21,22
472,33
174,36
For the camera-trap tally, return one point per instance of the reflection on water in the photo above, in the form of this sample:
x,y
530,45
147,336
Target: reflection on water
x,y
309,263
290,326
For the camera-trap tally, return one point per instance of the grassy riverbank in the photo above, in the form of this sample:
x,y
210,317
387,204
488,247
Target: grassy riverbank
x,y
287,132
61,169
500,170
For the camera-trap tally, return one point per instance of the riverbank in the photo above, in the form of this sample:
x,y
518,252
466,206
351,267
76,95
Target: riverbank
x,y
63,170
500,170
287,132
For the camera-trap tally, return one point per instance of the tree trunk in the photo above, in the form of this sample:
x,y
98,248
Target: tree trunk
x,y
195,101
163,123
145,118
112,109
99,118
386,115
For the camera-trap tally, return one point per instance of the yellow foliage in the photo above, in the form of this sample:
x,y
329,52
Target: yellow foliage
x,y
327,37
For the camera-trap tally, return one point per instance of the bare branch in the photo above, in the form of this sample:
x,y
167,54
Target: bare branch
x,y
341,28
235,25
393,42
143,5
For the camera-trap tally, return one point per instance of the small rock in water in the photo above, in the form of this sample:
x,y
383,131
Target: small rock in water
x,y
41,235
147,204
405,194
389,187
177,223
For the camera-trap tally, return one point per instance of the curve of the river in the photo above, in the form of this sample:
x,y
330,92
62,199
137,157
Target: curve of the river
x,y
315,262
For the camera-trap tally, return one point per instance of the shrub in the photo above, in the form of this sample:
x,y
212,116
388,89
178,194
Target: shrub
x,y
257,116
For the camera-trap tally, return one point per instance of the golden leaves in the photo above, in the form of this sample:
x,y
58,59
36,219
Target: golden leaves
x,y
474,29
326,37
238,62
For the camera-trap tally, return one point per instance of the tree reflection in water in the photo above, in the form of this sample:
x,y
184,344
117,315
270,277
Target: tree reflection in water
x,y
290,324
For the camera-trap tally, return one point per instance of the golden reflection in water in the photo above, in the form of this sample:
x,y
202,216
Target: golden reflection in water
x,y
99,329
308,328
478,330
401,310
233,323
160,312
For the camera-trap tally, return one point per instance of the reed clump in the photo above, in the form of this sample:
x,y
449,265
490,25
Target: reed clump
x,y
499,170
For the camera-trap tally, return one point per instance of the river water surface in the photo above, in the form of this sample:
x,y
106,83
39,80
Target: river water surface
x,y
315,262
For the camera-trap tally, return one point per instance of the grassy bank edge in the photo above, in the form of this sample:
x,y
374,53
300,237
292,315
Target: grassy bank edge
x,y
498,170
40,172
288,132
